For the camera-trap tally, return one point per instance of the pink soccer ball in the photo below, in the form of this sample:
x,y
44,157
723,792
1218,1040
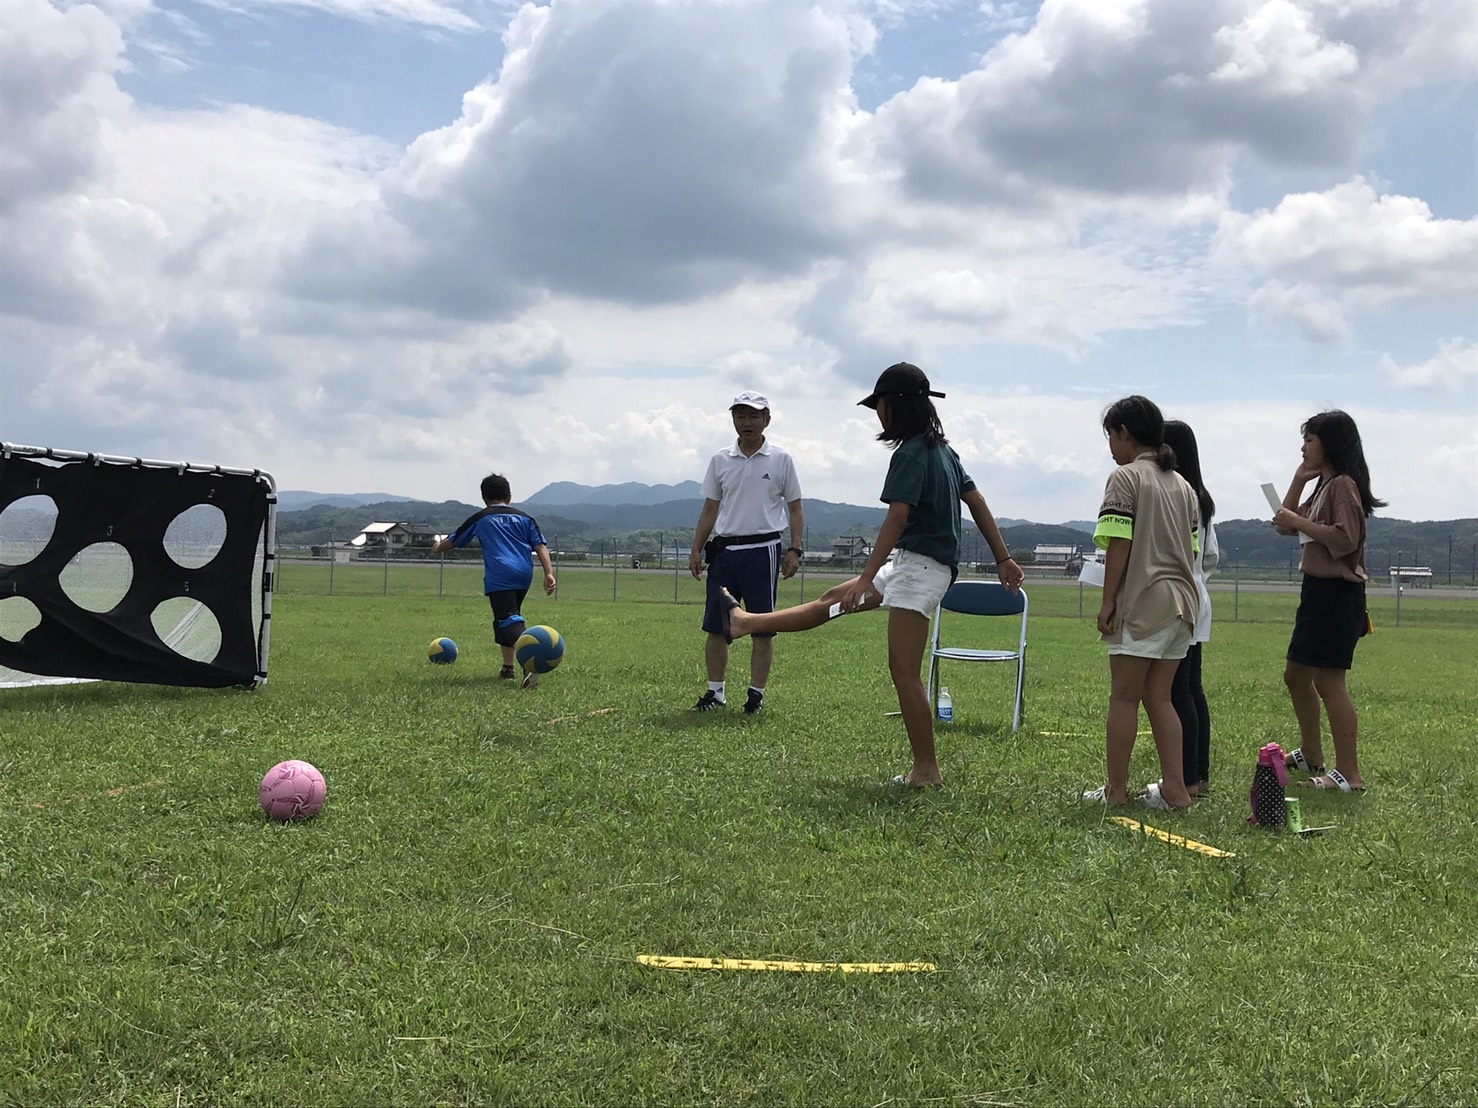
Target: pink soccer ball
x,y
292,790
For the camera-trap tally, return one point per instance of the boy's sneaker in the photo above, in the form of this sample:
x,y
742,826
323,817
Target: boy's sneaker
x,y
755,702
707,702
530,680
507,673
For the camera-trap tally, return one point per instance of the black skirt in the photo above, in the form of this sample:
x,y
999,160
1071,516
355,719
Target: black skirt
x,y
1330,620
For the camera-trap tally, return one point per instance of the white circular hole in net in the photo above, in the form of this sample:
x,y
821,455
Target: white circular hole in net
x,y
98,578
26,526
18,618
195,536
188,628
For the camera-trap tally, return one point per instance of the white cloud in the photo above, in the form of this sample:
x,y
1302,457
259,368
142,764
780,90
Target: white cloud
x,y
1279,50
452,16
654,204
1453,369
56,83
1325,257
629,150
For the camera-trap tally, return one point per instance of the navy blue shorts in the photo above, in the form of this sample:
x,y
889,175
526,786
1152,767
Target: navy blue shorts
x,y
507,620
750,575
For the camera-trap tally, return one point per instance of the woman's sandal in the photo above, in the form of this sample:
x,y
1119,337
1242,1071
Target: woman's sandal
x,y
1331,781
1295,760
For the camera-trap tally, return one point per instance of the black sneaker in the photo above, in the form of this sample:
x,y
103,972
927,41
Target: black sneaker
x,y
707,702
507,673
755,702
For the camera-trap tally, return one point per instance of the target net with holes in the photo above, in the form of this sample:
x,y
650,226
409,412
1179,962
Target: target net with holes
x,y
122,569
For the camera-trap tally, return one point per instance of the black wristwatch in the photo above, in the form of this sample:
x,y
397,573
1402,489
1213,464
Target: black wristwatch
x,y
797,551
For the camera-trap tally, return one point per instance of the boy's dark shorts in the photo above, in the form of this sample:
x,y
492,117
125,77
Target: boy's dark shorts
x,y
507,620
750,575
1329,622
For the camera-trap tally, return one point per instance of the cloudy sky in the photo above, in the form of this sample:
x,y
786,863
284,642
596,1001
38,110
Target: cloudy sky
x,y
389,245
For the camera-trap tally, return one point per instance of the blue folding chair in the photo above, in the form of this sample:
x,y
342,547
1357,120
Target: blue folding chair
x,y
979,598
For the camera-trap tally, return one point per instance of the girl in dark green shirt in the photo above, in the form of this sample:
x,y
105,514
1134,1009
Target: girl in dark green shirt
x,y
923,490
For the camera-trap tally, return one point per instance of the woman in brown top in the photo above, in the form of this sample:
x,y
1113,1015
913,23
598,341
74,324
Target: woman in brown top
x,y
1330,525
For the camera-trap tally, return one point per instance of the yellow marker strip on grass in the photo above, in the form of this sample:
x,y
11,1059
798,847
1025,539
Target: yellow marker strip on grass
x,y
1173,840
661,961
1067,734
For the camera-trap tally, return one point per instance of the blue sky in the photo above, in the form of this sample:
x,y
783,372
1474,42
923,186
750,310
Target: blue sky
x,y
394,244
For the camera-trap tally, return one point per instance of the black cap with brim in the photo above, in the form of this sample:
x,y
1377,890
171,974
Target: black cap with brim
x,y
903,379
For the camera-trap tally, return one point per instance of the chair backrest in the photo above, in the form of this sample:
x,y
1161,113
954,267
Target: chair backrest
x,y
983,598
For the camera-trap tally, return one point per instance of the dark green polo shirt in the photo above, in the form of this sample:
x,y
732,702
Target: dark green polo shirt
x,y
930,479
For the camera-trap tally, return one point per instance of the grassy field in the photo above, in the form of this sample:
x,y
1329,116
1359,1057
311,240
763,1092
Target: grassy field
x,y
461,924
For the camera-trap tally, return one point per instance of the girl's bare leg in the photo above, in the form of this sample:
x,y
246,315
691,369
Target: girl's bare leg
x,y
1344,722
1165,726
1300,681
1127,677
908,634
801,617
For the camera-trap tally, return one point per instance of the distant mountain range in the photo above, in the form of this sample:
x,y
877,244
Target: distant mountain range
x,y
295,500
604,500
561,493
576,517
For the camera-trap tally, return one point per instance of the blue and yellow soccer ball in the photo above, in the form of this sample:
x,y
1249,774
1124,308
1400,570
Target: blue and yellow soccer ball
x,y
539,649
442,651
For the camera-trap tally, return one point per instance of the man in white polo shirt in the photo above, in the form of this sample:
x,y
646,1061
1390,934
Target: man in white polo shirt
x,y
751,494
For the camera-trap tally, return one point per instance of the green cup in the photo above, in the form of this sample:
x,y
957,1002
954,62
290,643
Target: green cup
x,y
1295,815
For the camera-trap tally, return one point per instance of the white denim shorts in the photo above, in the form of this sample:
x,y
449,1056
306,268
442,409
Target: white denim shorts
x,y
913,582
1165,644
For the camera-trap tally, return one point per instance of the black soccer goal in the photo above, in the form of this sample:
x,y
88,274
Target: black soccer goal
x,y
125,569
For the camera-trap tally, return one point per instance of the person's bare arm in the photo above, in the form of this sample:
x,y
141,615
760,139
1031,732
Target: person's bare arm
x,y
1007,570
707,517
1115,562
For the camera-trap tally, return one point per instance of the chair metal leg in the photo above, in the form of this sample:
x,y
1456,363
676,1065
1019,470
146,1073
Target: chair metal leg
x,y
1020,693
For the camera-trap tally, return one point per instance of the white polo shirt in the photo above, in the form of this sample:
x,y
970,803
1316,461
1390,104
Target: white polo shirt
x,y
753,494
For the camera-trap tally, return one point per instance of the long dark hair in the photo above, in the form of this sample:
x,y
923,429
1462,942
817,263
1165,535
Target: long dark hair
x,y
1142,419
909,416
1343,453
1180,438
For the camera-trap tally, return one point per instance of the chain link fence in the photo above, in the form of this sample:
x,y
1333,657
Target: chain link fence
x,y
1238,594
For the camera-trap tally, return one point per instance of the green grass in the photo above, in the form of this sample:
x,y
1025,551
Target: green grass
x,y
461,923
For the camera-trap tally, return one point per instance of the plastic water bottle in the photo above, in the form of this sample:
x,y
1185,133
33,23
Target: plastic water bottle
x,y
946,706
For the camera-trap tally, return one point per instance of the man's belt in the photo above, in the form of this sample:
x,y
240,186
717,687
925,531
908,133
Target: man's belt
x,y
719,543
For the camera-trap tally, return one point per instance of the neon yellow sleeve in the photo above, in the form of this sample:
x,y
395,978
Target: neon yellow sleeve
x,y
1112,525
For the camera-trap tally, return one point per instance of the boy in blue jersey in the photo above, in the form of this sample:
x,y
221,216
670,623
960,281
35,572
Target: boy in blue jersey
x,y
510,540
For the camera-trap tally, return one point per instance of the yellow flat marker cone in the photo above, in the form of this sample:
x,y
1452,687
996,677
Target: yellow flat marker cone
x,y
662,961
1173,840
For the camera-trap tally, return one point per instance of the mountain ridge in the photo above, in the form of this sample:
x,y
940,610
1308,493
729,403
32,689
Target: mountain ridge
x,y
646,528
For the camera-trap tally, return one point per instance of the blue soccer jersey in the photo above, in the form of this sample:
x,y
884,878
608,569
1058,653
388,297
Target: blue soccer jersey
x,y
507,537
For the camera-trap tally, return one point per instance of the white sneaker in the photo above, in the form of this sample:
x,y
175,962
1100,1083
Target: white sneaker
x,y
1153,799
1096,796
530,680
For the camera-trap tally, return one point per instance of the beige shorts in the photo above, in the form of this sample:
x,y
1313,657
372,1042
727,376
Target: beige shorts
x,y
1165,644
913,582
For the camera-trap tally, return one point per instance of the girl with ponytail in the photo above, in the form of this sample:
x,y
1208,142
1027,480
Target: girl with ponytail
x,y
1147,527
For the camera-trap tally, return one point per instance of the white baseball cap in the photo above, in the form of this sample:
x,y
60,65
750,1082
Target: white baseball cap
x,y
750,399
